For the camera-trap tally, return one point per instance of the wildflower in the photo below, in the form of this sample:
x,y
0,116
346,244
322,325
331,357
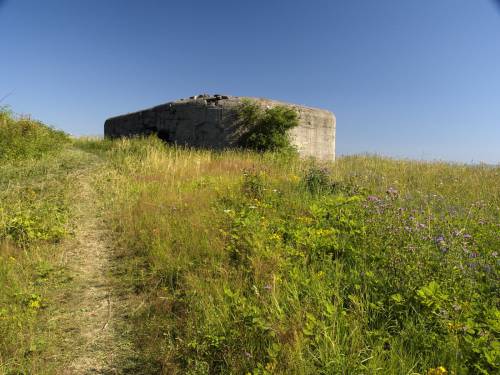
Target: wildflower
x,y
372,198
267,287
275,236
440,240
494,254
437,371
393,193
474,254
467,236
252,207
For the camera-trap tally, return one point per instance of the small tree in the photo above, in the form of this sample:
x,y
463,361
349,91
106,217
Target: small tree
x,y
267,130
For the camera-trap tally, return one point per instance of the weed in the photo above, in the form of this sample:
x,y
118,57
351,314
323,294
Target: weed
x,y
317,180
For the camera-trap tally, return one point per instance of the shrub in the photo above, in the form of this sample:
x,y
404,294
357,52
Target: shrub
x,y
23,138
267,129
317,179
253,185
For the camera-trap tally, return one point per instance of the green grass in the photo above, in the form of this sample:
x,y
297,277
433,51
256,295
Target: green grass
x,y
23,138
242,262
251,263
35,217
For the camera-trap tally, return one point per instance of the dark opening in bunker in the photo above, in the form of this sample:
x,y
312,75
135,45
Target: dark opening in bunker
x,y
164,135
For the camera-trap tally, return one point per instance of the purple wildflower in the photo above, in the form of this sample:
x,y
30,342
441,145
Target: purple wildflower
x,y
392,192
474,254
440,240
467,236
372,198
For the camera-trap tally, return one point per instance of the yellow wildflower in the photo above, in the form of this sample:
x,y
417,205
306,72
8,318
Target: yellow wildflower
x,y
437,371
275,236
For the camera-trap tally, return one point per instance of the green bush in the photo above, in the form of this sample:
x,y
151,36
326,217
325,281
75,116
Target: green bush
x,y
267,129
317,180
23,138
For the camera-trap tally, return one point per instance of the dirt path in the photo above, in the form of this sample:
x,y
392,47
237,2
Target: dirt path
x,y
91,311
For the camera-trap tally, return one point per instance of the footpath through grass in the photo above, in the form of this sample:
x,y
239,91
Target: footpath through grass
x,y
239,262
55,300
36,169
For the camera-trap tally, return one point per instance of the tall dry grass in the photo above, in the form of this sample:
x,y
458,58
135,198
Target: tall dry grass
x,y
263,263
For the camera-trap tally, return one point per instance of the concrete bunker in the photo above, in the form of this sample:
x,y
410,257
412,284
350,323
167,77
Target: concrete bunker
x,y
210,121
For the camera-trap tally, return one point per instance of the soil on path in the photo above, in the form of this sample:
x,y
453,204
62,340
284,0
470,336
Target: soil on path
x,y
90,317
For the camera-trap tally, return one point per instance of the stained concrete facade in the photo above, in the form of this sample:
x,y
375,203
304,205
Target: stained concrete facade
x,y
211,121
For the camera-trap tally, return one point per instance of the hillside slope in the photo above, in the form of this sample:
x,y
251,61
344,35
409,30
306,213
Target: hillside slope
x,y
129,256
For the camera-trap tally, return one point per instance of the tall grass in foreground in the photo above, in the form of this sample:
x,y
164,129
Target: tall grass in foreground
x,y
35,182
261,264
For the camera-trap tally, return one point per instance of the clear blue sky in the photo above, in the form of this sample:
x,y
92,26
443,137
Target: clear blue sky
x,y
406,78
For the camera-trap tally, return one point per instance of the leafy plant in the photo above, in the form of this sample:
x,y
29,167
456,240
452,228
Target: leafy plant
x,y
266,129
317,179
253,184
22,138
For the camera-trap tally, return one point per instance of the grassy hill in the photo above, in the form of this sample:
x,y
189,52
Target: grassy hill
x,y
239,262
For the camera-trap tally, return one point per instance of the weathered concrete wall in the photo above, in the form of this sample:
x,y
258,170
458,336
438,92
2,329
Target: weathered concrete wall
x,y
211,122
